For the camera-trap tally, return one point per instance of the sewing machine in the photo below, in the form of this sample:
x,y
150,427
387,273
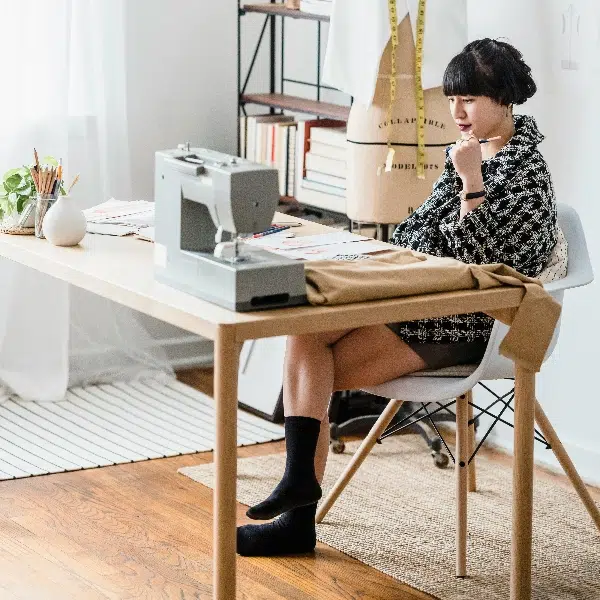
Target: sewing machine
x,y
204,200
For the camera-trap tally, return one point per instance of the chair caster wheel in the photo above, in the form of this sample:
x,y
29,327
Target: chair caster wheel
x,y
338,447
440,460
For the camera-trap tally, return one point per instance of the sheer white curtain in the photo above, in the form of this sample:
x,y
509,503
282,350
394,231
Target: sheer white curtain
x,y
63,66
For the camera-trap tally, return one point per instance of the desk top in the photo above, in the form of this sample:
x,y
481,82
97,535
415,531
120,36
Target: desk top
x,y
122,269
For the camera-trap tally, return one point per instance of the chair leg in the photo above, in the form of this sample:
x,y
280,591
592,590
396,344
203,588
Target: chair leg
x,y
462,455
382,422
472,477
566,463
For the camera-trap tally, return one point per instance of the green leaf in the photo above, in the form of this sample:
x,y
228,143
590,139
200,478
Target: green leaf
x,y
21,202
13,197
9,174
50,160
12,183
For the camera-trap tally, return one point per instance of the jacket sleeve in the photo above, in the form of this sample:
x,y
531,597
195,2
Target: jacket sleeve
x,y
517,228
413,223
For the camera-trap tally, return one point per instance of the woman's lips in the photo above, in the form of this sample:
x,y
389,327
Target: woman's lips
x,y
464,127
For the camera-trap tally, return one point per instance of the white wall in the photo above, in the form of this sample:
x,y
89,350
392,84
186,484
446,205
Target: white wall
x,y
181,68
182,79
566,108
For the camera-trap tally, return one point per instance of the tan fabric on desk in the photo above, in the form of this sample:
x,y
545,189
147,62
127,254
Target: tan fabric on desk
x,y
403,272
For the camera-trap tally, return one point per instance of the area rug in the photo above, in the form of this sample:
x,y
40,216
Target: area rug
x,y
122,422
397,515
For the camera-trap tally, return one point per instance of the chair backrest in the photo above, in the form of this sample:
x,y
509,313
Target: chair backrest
x,y
579,273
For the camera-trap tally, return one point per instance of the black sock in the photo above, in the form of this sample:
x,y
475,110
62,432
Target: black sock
x,y
299,485
292,533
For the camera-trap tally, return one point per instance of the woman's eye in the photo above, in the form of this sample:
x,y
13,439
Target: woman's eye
x,y
468,100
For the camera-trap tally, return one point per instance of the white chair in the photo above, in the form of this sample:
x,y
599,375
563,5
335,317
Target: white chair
x,y
457,383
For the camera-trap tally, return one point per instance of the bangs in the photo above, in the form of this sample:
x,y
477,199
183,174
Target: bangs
x,y
464,76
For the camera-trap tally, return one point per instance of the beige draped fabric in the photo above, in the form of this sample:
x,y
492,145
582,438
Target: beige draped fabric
x,y
403,272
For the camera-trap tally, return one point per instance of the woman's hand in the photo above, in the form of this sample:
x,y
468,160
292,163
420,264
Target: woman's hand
x,y
466,158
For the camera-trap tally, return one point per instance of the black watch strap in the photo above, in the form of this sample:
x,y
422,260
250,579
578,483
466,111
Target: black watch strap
x,y
473,195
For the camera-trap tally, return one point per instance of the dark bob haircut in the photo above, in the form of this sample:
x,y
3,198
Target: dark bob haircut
x,y
490,68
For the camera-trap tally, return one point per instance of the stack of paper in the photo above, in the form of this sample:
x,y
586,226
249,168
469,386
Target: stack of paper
x,y
338,245
120,217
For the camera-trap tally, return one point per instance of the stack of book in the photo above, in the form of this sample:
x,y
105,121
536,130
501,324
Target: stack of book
x,y
271,140
321,153
310,155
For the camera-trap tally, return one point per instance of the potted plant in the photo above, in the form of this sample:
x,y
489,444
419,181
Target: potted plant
x,y
17,190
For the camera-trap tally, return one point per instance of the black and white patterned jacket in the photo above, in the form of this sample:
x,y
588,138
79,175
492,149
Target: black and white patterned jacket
x,y
515,225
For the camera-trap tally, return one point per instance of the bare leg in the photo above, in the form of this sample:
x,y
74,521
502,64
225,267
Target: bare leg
x,y
315,366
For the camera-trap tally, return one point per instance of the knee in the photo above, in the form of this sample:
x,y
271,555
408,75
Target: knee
x,y
302,345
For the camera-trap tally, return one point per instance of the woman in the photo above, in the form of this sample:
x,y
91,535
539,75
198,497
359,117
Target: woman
x,y
494,202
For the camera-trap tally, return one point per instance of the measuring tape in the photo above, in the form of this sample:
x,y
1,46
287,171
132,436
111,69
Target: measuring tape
x,y
419,96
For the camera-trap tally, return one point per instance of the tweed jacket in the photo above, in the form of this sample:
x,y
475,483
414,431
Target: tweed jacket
x,y
515,225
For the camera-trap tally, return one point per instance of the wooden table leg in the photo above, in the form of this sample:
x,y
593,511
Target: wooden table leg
x,y
460,468
522,501
227,353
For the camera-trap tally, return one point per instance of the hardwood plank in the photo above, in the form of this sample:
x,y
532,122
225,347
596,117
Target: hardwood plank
x,y
298,104
142,530
280,10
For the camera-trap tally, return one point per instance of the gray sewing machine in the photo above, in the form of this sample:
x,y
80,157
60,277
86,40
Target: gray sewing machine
x,y
203,201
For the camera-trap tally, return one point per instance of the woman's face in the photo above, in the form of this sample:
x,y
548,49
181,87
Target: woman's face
x,y
480,114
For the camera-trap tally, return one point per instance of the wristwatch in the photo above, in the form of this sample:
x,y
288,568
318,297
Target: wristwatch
x,y
471,195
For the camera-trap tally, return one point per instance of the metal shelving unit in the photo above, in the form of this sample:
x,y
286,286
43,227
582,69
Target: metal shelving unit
x,y
279,100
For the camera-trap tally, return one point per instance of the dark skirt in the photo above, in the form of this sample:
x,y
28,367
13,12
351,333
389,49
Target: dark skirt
x,y
438,356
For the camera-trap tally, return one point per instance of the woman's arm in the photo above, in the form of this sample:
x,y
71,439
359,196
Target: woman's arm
x,y
517,228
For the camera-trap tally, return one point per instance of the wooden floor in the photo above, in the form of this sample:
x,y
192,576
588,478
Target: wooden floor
x,y
143,531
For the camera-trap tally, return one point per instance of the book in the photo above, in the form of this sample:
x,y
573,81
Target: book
x,y
256,134
334,136
339,182
328,166
321,200
280,152
323,187
303,134
243,133
291,162
327,150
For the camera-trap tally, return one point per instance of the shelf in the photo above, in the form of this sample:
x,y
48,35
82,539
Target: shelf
x,y
293,103
280,9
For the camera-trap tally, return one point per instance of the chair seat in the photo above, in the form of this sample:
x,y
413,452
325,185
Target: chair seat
x,y
421,388
454,371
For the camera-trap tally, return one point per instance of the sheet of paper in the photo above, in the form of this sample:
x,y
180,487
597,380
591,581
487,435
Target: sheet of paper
x,y
334,250
110,229
279,242
138,212
145,233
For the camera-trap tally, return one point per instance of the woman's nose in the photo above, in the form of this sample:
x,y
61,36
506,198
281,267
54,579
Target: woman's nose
x,y
458,110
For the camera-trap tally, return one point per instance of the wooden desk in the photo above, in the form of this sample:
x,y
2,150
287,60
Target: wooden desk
x,y
121,269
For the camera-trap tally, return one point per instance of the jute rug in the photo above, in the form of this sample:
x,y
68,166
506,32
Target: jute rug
x,y
397,515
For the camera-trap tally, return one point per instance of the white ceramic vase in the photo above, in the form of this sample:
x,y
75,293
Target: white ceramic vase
x,y
64,223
